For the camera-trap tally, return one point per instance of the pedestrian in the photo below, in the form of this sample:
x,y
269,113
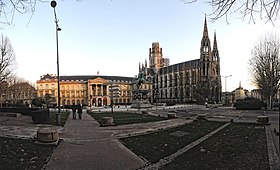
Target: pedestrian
x,y
74,110
80,111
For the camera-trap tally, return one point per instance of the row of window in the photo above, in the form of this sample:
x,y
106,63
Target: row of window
x,y
121,101
62,87
177,93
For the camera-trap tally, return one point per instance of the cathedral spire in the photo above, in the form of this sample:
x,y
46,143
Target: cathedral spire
x,y
215,50
215,46
205,30
205,48
205,41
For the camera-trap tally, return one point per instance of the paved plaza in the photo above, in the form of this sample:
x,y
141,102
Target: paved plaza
x,y
85,145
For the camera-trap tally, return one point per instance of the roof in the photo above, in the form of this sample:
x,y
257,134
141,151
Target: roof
x,y
88,77
180,66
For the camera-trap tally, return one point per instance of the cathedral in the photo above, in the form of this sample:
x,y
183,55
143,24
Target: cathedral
x,y
195,81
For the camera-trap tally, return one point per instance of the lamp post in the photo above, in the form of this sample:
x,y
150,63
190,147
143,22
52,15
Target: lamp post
x,y
226,98
226,81
53,4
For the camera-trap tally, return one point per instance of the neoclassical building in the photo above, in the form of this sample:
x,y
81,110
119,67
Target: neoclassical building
x,y
87,90
197,80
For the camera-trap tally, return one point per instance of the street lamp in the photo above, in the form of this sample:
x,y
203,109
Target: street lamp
x,y
226,81
226,98
53,4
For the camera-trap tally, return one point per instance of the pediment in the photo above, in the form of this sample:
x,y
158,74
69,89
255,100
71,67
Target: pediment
x,y
99,80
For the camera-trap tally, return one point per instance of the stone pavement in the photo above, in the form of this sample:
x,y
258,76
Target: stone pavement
x,y
84,146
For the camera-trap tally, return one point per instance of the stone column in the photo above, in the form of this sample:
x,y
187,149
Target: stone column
x,y
101,90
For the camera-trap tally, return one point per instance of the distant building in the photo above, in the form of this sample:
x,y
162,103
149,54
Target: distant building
x,y
240,93
228,98
255,93
20,94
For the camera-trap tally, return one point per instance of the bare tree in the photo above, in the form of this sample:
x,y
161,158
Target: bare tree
x,y
267,10
8,9
7,58
265,66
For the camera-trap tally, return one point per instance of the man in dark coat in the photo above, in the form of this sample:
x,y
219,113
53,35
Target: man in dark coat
x,y
80,111
74,110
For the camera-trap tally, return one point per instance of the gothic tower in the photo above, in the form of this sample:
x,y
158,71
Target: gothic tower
x,y
155,56
216,71
209,71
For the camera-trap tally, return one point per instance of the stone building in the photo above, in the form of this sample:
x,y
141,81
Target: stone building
x,y
240,93
20,94
87,90
197,80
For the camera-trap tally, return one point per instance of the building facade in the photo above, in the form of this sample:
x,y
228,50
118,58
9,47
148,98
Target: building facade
x,y
197,80
18,94
88,90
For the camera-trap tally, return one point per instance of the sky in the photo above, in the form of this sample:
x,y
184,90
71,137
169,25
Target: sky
x,y
112,36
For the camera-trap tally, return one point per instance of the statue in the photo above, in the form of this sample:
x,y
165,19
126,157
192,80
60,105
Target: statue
x,y
140,79
140,95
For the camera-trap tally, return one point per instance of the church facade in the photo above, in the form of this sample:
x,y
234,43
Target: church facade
x,y
197,80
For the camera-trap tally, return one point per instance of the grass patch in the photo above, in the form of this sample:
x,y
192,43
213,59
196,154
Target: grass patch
x,y
23,154
238,146
160,144
63,118
123,118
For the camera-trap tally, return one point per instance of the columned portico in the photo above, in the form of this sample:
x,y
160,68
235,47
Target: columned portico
x,y
98,92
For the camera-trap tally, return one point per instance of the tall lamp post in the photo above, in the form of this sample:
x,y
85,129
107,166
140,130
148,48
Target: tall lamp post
x,y
53,4
226,81
227,102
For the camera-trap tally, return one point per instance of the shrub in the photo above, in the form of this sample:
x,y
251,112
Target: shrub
x,y
249,104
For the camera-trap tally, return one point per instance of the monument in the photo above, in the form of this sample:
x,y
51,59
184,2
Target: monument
x,y
140,98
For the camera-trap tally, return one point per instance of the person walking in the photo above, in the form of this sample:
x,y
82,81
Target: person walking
x,y
80,111
74,110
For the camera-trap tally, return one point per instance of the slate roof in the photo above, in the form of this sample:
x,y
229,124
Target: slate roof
x,y
88,77
180,66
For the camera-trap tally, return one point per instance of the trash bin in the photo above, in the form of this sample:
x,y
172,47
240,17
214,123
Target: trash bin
x,y
41,116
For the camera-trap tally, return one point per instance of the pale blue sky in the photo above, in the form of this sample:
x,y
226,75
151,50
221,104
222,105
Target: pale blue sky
x,y
113,36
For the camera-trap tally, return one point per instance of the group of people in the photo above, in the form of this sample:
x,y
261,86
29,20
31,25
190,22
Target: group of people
x,y
77,108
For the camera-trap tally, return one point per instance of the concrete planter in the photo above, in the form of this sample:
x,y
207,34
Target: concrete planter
x,y
263,120
171,115
107,121
47,136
